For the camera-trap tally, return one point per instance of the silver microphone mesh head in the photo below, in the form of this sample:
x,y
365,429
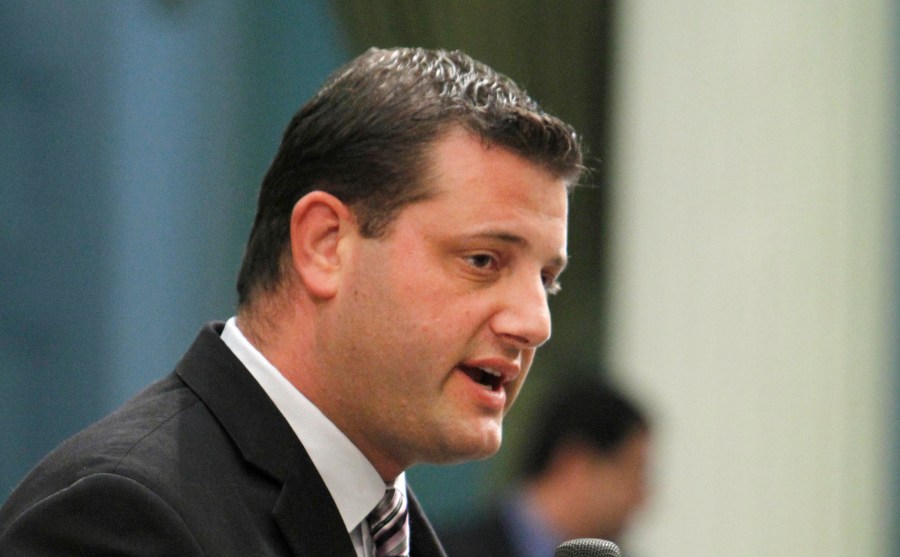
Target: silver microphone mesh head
x,y
587,547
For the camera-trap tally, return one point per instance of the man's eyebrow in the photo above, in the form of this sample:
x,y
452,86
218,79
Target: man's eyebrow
x,y
559,262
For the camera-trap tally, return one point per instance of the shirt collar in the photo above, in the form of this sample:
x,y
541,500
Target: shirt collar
x,y
353,482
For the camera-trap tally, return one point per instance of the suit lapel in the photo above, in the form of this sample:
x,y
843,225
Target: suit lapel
x,y
308,517
304,510
423,540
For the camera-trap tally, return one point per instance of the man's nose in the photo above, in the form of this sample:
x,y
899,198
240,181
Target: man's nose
x,y
524,318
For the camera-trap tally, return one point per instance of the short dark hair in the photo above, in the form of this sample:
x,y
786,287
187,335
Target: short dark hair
x,y
363,139
589,411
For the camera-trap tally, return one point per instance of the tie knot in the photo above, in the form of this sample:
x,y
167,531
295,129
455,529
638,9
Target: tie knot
x,y
389,525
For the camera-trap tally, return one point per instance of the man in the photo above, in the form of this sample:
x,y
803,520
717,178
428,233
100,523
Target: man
x,y
584,477
392,295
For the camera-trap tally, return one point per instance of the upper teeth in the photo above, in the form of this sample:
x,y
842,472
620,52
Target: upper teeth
x,y
493,372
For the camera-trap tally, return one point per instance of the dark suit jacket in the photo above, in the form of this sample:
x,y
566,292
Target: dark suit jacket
x,y
199,463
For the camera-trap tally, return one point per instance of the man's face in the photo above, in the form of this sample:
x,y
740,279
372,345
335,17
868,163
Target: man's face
x,y
435,324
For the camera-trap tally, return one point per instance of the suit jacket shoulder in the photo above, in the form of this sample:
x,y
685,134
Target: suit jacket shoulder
x,y
201,462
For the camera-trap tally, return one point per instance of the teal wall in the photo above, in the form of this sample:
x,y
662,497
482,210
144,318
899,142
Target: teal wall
x,y
133,136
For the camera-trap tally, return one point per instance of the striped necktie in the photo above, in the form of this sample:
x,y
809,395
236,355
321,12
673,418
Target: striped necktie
x,y
389,525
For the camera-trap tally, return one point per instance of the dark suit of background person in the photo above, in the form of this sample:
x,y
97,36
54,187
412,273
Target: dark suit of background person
x,y
417,206
584,477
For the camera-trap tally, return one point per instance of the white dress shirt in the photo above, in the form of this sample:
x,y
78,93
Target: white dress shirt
x,y
355,485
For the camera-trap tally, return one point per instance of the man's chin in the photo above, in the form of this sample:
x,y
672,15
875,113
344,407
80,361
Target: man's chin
x,y
482,447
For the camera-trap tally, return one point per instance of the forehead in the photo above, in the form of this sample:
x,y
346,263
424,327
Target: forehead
x,y
491,177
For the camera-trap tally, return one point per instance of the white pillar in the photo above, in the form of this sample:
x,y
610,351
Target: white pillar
x,y
752,296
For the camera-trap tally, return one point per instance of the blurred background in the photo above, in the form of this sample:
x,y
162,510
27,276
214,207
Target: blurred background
x,y
733,251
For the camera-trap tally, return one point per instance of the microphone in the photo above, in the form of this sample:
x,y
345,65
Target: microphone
x,y
587,547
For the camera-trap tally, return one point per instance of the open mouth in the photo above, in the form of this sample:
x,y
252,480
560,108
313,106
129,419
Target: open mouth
x,y
487,377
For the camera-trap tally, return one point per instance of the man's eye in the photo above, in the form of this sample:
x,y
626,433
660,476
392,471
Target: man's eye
x,y
481,260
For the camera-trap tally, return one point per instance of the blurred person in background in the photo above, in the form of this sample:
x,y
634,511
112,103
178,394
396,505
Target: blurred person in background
x,y
584,476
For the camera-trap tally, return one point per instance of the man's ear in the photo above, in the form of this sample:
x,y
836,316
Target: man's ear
x,y
319,221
